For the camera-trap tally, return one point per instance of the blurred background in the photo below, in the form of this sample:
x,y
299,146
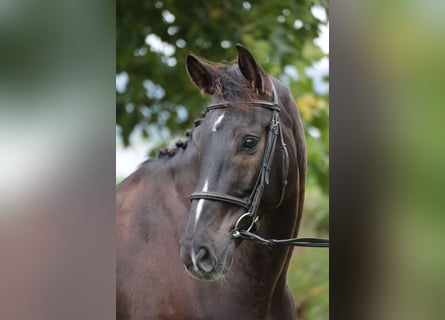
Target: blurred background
x,y
157,102
387,159
57,165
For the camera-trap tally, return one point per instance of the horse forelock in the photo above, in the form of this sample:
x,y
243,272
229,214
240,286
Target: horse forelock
x,y
231,86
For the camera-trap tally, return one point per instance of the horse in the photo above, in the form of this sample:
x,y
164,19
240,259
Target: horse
x,y
177,254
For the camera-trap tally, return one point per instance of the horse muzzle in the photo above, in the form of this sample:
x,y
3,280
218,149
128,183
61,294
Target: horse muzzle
x,y
203,263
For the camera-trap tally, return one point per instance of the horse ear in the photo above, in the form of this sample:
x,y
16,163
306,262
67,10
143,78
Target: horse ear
x,y
200,74
252,71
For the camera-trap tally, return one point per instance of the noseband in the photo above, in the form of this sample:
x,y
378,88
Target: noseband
x,y
253,202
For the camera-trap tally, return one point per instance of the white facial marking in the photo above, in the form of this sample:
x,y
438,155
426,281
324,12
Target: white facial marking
x,y
195,267
218,122
201,203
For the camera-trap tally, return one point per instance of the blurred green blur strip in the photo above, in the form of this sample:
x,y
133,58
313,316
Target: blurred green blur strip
x,y
403,45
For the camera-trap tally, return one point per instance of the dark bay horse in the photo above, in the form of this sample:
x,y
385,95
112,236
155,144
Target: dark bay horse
x,y
178,258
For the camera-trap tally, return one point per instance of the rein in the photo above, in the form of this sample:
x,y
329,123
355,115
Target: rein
x,y
297,242
253,202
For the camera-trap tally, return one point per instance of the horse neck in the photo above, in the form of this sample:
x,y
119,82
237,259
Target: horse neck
x,y
280,223
264,268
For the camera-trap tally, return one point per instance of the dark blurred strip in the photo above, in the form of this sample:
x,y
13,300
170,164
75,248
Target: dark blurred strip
x,y
354,161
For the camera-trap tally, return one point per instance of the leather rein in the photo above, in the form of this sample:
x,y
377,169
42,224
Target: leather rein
x,y
252,203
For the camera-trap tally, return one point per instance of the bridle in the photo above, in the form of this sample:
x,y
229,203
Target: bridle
x,y
252,203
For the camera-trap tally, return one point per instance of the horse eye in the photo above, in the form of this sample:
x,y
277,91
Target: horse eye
x,y
249,143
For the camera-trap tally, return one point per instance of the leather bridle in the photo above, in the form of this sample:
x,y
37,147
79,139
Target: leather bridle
x,y
252,203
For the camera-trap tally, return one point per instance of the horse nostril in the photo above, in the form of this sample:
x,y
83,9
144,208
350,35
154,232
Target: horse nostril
x,y
204,260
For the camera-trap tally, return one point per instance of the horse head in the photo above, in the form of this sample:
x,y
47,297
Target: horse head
x,y
232,142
